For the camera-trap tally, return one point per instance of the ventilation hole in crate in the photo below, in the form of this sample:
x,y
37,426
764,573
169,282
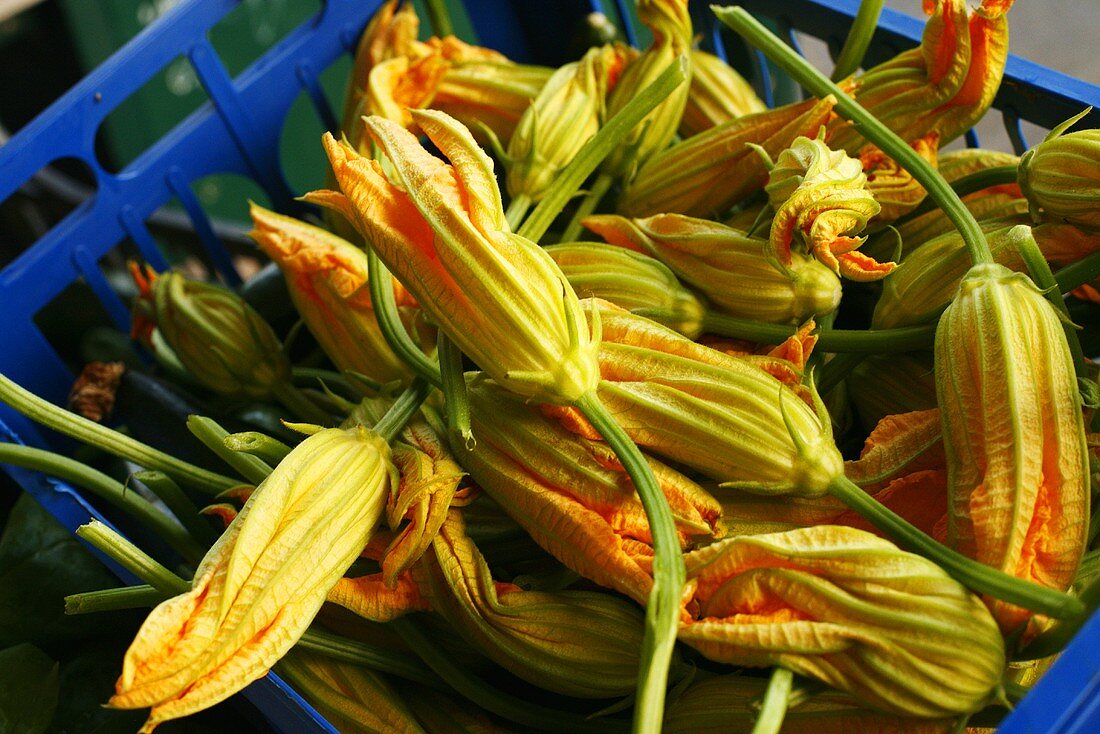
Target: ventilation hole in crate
x,y
303,159
146,116
254,26
224,198
46,198
80,330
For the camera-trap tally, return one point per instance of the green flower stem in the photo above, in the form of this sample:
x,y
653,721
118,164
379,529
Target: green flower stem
x,y
904,339
774,706
113,442
529,715
352,383
598,147
265,448
402,410
172,495
1039,269
299,403
109,600
869,126
1057,637
833,372
969,184
355,652
106,487
439,17
1077,274
976,576
213,437
591,200
132,558
859,38
385,308
663,607
457,402
517,210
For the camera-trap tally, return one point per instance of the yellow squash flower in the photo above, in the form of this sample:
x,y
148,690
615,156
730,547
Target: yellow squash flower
x,y
849,609
440,228
263,581
718,94
1018,467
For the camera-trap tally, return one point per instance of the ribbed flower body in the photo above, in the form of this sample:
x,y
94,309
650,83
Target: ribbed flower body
x,y
1061,178
727,266
708,173
925,281
721,415
849,609
327,279
894,188
632,281
440,229
262,582
571,494
220,339
1018,470
670,24
821,199
578,643
718,94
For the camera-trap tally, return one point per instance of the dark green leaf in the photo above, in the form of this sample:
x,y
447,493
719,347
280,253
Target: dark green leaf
x,y
28,690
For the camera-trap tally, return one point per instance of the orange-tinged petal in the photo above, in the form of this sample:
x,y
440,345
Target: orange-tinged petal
x,y
900,444
377,599
862,268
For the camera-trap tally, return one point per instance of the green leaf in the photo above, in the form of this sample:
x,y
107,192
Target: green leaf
x,y
40,562
28,690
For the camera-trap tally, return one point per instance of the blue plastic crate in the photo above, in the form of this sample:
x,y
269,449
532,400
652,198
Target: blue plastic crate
x,y
238,131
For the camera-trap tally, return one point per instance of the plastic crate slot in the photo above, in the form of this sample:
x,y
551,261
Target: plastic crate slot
x,y
253,27
316,93
214,251
300,153
84,305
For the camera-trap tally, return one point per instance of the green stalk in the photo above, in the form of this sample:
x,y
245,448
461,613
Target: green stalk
x,y
114,443
598,147
903,339
859,38
663,607
529,715
106,487
1079,273
109,600
1057,637
265,448
774,706
457,403
172,495
132,558
869,126
833,372
213,437
402,410
355,652
517,210
588,205
439,17
296,401
969,184
976,576
385,308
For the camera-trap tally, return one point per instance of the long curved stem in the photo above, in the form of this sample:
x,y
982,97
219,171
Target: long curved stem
x,y
106,487
457,403
663,607
1079,273
402,410
110,600
902,339
859,38
132,558
213,437
969,184
295,400
588,205
114,443
869,126
385,308
979,577
773,708
171,494
517,210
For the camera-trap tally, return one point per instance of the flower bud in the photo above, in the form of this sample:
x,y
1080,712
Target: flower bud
x,y
924,283
718,94
708,173
327,280
729,704
721,415
354,699
1061,178
441,230
1018,471
632,281
585,644
727,266
822,195
849,609
263,581
571,495
493,93
221,340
